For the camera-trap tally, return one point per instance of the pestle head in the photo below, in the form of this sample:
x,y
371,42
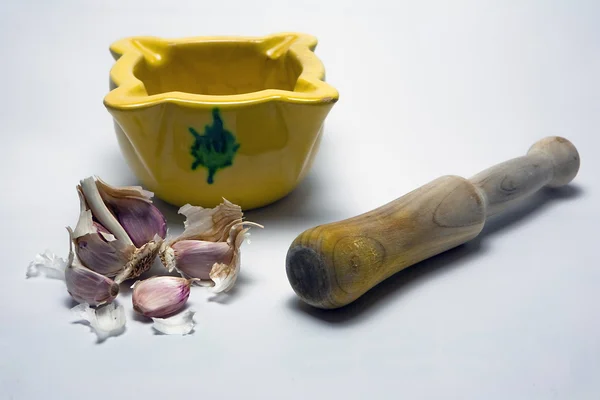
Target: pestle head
x,y
308,276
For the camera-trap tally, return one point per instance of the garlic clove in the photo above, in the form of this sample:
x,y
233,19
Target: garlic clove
x,y
135,212
105,321
105,257
180,324
209,247
209,224
195,258
87,286
160,296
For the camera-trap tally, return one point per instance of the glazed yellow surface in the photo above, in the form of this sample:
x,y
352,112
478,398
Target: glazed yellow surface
x,y
259,103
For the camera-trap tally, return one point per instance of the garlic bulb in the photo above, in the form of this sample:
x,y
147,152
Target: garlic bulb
x,y
160,296
119,231
209,247
118,235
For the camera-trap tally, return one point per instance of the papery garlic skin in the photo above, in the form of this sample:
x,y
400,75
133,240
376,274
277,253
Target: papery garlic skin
x,y
209,224
180,324
224,276
160,296
47,264
105,321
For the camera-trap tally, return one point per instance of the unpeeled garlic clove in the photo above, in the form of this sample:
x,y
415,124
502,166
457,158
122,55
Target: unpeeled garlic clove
x,y
195,258
209,247
203,242
132,207
87,286
102,256
160,296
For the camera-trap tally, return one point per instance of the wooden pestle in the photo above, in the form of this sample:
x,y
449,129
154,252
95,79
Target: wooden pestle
x,y
332,265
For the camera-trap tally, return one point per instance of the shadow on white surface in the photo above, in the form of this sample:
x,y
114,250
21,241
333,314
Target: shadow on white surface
x,y
224,298
135,316
69,302
304,203
392,289
315,199
139,317
233,294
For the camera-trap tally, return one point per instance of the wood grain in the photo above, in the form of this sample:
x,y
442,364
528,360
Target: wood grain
x,y
332,265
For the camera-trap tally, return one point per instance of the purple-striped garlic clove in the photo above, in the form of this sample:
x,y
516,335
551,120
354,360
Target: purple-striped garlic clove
x,y
133,209
195,258
105,257
209,247
160,296
87,286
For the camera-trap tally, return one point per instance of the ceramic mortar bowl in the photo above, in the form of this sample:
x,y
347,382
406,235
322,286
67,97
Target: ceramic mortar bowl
x,y
202,119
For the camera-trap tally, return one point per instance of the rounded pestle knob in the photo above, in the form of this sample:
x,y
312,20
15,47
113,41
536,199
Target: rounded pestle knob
x,y
564,156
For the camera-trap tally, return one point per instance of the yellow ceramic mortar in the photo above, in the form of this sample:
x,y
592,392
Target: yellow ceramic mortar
x,y
199,119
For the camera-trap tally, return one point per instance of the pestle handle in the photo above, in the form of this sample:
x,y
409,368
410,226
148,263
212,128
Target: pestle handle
x,y
552,161
332,265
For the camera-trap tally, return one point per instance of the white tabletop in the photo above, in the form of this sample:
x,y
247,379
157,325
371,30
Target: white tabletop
x,y
426,89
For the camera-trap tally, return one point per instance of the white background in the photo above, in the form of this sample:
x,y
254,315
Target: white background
x,y
426,89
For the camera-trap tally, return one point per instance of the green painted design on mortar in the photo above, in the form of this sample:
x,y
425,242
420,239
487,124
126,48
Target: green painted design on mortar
x,y
215,149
